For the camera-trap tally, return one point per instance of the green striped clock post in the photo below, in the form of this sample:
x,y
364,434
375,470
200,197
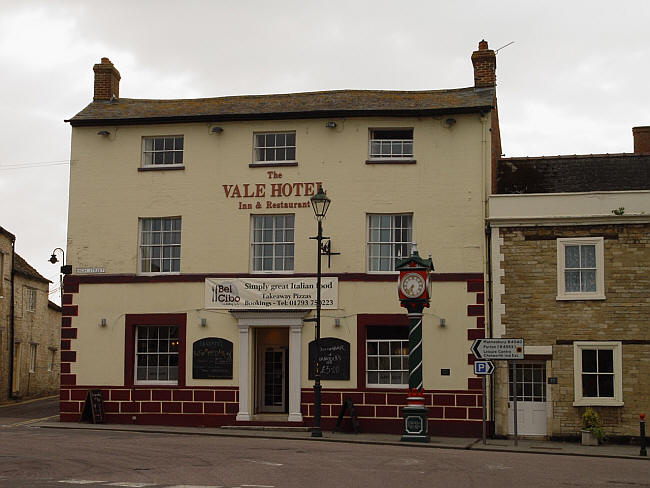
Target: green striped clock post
x,y
414,291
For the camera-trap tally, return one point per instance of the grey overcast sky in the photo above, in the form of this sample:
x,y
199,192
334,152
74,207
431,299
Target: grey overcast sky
x,y
575,81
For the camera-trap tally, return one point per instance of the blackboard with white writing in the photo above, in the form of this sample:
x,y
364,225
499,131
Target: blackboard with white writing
x,y
334,359
212,358
93,410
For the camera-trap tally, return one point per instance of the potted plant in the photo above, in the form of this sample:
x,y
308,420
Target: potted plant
x,y
592,431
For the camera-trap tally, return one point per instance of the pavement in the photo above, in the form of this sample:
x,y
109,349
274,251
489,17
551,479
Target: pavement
x,y
43,413
529,446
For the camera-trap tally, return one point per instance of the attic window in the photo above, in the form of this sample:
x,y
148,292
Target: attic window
x,y
391,143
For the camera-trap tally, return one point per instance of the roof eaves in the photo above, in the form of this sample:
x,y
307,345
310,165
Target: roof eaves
x,y
314,114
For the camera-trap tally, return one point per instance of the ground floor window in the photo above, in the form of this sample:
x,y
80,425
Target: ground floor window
x,y
387,352
156,354
154,349
32,358
51,359
598,373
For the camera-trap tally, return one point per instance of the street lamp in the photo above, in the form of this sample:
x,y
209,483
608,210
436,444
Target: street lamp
x,y
320,203
65,269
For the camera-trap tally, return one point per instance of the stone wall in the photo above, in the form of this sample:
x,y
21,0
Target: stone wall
x,y
5,313
41,328
532,312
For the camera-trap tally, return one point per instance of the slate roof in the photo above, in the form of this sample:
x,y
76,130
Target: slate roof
x,y
21,266
290,105
569,174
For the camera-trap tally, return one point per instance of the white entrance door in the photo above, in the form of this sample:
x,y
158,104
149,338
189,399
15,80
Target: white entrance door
x,y
531,398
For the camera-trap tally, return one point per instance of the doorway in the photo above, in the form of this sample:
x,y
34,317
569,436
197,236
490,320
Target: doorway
x,y
272,370
531,398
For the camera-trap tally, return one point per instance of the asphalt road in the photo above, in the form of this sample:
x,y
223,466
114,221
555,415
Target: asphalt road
x,y
38,458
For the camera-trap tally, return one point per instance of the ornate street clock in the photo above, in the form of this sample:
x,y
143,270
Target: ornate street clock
x,y
414,291
412,285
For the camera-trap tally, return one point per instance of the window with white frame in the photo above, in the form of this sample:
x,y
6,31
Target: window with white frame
x,y
160,245
272,244
162,151
2,274
30,299
598,373
32,358
51,361
580,268
270,147
156,354
391,143
389,239
387,356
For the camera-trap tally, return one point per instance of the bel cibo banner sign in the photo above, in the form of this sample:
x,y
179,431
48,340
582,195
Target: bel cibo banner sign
x,y
269,293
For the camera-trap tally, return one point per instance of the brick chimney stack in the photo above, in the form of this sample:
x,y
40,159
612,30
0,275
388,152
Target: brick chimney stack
x,y
641,139
485,66
107,80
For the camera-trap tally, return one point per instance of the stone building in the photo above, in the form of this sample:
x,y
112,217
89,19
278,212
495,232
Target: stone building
x,y
570,251
202,294
29,328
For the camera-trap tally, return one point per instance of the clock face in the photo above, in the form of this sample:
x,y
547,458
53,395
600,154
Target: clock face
x,y
412,285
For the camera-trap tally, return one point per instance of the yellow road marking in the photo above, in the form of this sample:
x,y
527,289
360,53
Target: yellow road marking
x,y
30,421
11,404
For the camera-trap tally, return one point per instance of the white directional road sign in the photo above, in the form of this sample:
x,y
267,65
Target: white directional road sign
x,y
498,349
483,367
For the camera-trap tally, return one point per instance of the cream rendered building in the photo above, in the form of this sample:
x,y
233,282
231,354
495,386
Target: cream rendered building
x,y
193,271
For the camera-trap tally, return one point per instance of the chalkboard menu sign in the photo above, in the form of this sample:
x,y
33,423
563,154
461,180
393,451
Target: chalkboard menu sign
x,y
334,359
212,359
93,407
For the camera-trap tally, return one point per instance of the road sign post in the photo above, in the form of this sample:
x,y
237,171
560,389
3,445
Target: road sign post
x,y
486,349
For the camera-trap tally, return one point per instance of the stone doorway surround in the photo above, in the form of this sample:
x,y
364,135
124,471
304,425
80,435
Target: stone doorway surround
x,y
293,319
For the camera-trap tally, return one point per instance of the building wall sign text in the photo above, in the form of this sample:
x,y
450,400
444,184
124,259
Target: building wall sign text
x,y
268,195
270,293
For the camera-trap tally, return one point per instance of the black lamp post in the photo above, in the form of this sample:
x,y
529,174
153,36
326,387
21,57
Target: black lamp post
x,y
65,269
321,203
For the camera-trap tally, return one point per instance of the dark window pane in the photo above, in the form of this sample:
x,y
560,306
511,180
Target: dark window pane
x,y
589,388
589,361
291,139
605,361
606,385
179,143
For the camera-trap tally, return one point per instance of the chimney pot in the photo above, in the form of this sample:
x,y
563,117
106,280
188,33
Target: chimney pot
x,y
641,139
485,65
107,80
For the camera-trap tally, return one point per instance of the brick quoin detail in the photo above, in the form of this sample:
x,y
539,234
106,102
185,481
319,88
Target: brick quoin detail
x,y
476,309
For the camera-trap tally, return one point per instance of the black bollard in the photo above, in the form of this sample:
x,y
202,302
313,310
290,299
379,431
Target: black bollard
x,y
643,451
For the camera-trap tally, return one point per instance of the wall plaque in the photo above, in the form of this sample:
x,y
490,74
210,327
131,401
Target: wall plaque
x,y
334,359
212,358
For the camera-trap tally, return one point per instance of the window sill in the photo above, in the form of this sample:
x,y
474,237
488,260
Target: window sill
x,y
387,387
273,164
280,272
578,297
162,167
391,161
598,402
160,273
155,383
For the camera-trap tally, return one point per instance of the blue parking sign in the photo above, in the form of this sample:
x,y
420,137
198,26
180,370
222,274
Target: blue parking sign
x,y
483,367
